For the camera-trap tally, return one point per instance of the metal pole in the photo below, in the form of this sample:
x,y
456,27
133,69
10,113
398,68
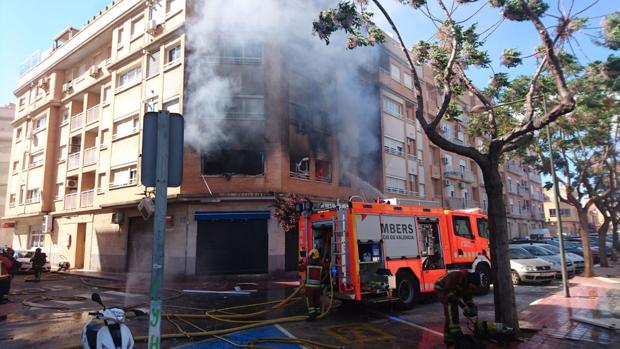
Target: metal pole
x,y
159,229
558,216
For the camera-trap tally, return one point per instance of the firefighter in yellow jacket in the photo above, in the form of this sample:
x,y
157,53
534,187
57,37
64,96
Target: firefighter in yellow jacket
x,y
453,290
314,272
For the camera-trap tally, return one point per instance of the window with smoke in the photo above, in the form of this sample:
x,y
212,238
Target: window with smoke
x,y
242,152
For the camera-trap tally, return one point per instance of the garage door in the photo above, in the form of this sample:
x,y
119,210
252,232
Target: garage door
x,y
232,247
139,242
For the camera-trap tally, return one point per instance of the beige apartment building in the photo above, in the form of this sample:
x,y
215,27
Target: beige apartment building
x,y
74,173
6,116
417,170
570,219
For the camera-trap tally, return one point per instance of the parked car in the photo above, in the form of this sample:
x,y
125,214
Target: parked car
x,y
550,257
569,246
577,260
527,267
24,256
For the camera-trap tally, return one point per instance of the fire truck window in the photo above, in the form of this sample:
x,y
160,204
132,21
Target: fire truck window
x,y
483,228
462,227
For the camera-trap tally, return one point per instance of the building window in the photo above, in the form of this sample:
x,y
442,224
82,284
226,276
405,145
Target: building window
x,y
22,102
62,153
107,93
18,133
22,194
323,170
119,38
35,141
392,107
36,160
395,185
15,166
172,6
126,127
101,184
152,64
407,80
395,72
129,77
137,27
123,177
173,54
246,106
33,196
37,238
150,105
58,193
39,123
172,106
12,200
393,146
65,116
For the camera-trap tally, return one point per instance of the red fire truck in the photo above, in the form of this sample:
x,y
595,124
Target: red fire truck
x,y
384,251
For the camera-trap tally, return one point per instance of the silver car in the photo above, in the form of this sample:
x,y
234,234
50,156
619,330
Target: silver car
x,y
527,267
552,258
577,260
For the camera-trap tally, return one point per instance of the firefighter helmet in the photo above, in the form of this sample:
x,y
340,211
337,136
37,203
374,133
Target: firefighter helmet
x,y
314,253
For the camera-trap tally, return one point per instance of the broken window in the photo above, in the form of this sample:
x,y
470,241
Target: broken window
x,y
323,170
300,166
241,153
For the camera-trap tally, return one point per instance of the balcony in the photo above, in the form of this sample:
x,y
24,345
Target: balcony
x,y
460,203
73,161
395,190
76,122
90,156
537,196
393,150
92,115
461,174
86,198
534,177
71,201
514,168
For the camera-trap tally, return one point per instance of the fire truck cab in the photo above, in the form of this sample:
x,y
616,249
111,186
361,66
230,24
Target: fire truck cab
x,y
385,252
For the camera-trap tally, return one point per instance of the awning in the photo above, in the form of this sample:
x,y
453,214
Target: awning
x,y
231,216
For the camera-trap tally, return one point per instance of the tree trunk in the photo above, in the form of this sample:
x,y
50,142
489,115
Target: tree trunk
x,y
503,290
616,242
585,242
602,246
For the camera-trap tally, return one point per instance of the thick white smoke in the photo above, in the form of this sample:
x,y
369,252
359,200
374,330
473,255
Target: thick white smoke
x,y
285,26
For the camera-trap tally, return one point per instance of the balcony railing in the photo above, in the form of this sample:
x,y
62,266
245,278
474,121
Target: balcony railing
x,y
515,168
73,161
71,201
393,150
534,177
90,156
92,115
395,190
131,181
76,122
300,174
462,174
460,203
86,198
537,196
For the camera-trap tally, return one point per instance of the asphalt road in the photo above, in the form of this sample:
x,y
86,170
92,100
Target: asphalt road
x,y
51,314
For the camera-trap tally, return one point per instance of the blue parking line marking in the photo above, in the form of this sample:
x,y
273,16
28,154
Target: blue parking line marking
x,y
243,337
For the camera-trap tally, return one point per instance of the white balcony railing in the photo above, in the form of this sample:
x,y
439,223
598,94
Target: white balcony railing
x,y
131,181
395,190
393,150
92,115
86,198
514,168
461,203
90,156
76,122
73,161
71,201
534,177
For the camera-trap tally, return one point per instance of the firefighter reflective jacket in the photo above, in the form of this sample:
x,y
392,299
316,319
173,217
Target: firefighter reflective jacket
x,y
314,270
455,285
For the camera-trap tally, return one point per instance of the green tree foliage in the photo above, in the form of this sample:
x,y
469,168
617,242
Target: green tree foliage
x,y
611,31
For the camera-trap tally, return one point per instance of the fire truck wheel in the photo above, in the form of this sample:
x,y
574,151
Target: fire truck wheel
x,y
407,290
485,278
516,280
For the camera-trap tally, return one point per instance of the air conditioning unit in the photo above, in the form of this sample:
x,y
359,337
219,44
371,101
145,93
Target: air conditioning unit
x,y
118,217
71,184
94,71
151,26
67,87
46,224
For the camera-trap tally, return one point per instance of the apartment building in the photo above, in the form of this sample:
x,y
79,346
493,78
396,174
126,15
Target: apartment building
x,y
6,116
295,123
415,170
568,213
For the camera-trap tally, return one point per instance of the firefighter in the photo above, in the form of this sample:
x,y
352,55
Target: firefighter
x,y
38,261
314,272
5,277
453,290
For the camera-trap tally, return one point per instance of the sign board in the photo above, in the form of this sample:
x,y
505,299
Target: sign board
x,y
149,149
398,233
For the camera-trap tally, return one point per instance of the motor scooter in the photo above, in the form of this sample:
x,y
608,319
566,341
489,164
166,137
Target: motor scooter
x,y
107,329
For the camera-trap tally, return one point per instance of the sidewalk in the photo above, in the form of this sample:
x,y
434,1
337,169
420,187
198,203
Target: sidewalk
x,y
595,298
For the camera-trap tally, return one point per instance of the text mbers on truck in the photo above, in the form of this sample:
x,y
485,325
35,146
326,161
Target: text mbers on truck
x,y
383,251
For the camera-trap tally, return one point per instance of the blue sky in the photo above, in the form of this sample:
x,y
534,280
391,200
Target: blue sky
x,y
30,25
